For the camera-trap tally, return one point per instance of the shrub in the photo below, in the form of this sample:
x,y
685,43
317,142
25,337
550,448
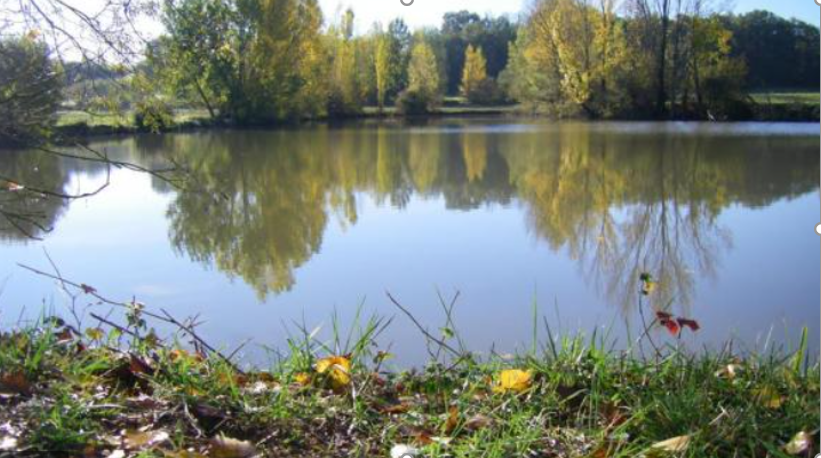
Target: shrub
x,y
414,102
153,115
486,92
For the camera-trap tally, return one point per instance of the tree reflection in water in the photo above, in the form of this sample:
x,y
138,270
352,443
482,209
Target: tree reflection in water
x,y
618,202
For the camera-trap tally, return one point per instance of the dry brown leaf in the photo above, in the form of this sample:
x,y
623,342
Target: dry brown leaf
x,y
453,419
143,440
14,383
673,445
396,408
799,444
478,421
226,447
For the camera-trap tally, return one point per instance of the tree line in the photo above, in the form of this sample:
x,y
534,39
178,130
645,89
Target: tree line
x,y
270,61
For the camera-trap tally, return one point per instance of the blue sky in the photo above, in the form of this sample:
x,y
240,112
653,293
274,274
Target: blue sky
x,y
429,12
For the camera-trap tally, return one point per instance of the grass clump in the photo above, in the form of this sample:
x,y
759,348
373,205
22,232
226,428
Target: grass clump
x,y
99,391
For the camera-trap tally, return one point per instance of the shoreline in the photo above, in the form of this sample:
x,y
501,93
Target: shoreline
x,y
74,132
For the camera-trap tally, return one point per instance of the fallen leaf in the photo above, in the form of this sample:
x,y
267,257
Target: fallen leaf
x,y
8,443
478,421
769,397
338,370
648,287
226,447
396,408
675,444
404,451
453,419
14,383
302,379
65,335
799,444
139,365
135,440
515,380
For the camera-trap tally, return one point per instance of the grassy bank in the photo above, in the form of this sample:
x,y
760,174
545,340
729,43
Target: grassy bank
x,y
118,389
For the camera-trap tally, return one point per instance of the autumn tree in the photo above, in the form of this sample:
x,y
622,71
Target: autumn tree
x,y
423,91
474,72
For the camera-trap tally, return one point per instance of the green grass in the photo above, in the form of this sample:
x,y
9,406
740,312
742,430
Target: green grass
x,y
93,392
786,97
116,120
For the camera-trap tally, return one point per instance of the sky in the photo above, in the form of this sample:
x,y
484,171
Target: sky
x,y
429,12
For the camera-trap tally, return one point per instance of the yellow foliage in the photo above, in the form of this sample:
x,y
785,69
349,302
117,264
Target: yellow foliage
x,y
338,370
513,380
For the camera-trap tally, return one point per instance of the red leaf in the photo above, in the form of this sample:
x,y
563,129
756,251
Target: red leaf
x,y
87,289
662,316
692,324
671,326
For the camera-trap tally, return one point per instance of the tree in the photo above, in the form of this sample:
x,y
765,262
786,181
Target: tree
x,y
346,92
384,72
30,84
474,73
400,40
572,58
423,73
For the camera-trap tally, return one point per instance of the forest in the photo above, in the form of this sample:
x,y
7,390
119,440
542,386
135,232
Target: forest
x,y
263,62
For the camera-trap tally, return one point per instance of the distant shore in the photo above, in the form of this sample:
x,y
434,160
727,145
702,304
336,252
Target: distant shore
x,y
78,125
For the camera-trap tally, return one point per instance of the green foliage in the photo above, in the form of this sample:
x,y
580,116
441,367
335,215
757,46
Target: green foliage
x,y
153,115
30,84
423,78
415,102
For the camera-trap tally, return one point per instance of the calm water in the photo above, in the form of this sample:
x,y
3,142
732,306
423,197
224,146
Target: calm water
x,y
298,224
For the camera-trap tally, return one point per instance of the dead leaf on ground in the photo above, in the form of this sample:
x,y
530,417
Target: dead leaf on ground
x,y
769,397
14,383
673,445
453,419
338,370
136,440
513,380
799,444
478,421
8,443
396,408
226,447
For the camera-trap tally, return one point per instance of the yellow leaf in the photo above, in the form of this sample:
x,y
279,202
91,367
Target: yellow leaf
x,y
515,380
673,445
769,397
799,444
95,333
302,379
338,370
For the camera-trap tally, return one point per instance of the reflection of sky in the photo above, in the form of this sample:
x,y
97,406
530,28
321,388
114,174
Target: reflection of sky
x,y
118,243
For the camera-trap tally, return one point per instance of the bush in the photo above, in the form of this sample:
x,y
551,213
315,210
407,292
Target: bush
x,y
153,115
414,102
487,92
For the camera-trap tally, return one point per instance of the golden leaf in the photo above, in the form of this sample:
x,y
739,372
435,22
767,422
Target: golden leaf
x,y
95,333
514,380
338,370
302,378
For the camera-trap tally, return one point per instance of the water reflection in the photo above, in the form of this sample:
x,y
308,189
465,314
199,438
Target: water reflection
x,y
619,202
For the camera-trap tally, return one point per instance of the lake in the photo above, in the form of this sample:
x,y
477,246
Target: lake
x,y
280,227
